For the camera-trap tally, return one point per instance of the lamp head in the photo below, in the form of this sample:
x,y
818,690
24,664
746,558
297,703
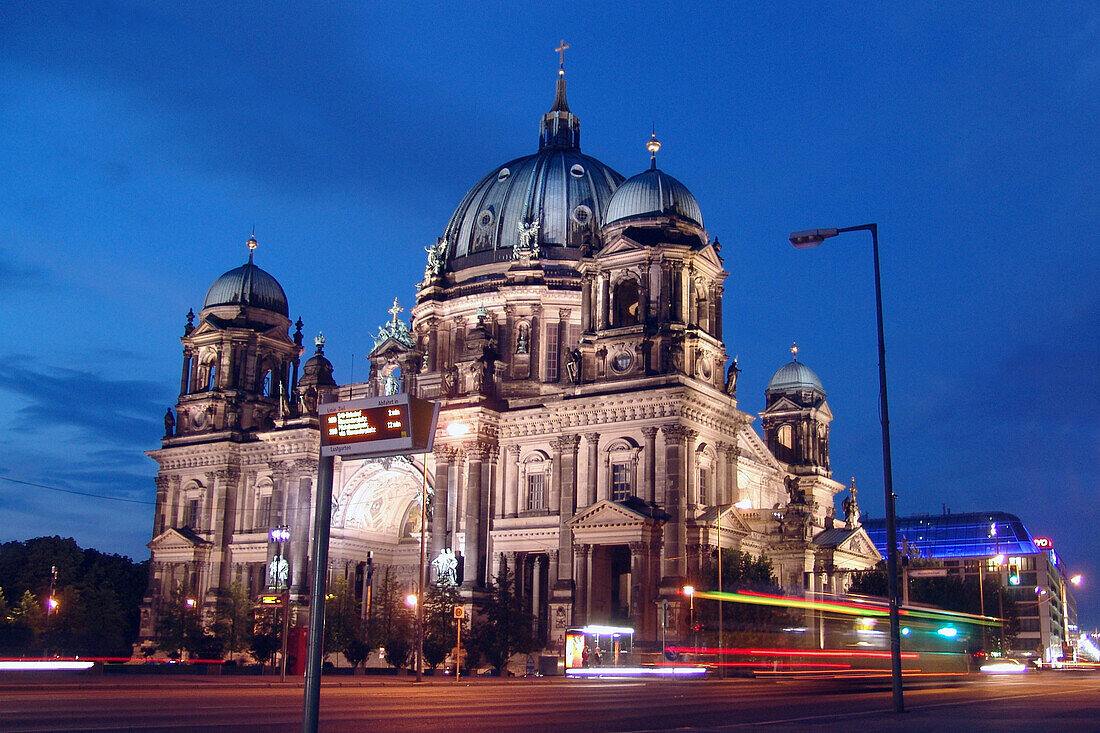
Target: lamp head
x,y
689,590
811,237
1076,580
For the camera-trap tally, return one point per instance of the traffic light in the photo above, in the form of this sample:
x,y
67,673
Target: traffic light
x,y
1013,574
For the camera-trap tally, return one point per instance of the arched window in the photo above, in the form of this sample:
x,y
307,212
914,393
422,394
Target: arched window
x,y
208,370
536,481
622,466
627,306
785,436
702,311
265,384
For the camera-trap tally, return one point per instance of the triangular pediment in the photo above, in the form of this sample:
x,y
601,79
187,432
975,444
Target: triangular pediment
x,y
177,539
604,514
783,404
732,521
753,447
707,254
860,544
620,245
388,347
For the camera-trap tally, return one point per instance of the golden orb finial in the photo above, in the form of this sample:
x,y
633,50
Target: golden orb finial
x,y
252,243
794,350
653,144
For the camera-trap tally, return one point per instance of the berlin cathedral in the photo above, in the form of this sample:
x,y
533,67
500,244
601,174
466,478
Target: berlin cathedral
x,y
590,439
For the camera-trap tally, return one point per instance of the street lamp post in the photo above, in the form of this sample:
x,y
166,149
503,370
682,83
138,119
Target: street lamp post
x,y
279,536
812,238
689,591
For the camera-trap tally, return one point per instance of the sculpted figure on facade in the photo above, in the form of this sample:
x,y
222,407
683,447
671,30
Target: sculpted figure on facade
x,y
574,366
445,565
731,378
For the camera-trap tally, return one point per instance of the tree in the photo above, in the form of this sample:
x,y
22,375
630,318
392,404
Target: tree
x,y
400,647
179,628
504,626
439,623
743,623
99,595
343,626
233,618
264,644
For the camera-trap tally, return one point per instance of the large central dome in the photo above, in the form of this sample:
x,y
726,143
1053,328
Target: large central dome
x,y
558,197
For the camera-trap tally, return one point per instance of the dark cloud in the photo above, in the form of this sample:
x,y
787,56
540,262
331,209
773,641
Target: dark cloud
x,y
15,275
114,411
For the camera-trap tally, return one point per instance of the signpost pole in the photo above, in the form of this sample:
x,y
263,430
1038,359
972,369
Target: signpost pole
x,y
322,518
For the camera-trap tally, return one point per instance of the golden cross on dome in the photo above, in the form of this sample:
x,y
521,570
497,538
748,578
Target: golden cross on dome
x,y
560,50
794,351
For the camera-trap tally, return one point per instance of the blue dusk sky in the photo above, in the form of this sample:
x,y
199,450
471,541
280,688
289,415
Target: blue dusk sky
x,y
142,142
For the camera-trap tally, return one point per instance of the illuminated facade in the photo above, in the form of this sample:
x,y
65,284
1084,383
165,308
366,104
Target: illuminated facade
x,y
570,324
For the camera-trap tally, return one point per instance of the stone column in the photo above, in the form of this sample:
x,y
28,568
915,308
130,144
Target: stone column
x,y
566,448
300,519
649,470
473,563
536,584
228,481
586,493
512,489
278,494
586,303
440,525
691,484
185,375
555,477
716,310
641,598
604,303
675,532
733,491
160,521
583,559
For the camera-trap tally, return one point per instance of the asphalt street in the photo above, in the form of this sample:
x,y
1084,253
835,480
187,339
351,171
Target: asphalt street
x,y
1027,703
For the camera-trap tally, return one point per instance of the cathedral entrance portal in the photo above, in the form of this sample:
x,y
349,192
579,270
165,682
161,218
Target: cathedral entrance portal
x,y
610,585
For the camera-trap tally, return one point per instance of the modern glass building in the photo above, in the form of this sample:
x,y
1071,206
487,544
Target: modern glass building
x,y
953,536
996,543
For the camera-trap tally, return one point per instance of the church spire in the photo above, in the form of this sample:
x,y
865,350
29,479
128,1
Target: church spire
x,y
560,128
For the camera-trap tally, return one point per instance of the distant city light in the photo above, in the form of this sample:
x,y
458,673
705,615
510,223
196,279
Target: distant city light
x,y
635,671
47,665
606,630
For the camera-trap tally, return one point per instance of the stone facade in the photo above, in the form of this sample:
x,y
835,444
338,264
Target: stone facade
x,y
590,437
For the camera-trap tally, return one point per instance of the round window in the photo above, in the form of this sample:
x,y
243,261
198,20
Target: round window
x,y
577,171
621,361
504,173
485,218
582,215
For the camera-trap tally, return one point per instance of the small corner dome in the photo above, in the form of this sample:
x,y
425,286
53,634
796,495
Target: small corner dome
x,y
249,286
794,377
653,193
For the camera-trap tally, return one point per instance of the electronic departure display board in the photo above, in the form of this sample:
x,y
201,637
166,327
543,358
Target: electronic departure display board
x,y
377,426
